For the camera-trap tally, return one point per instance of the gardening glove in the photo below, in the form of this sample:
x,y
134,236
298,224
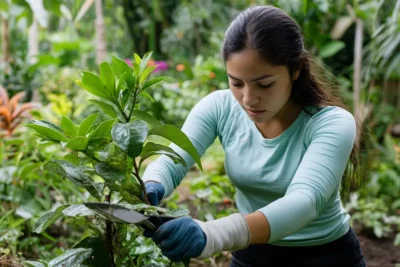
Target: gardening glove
x,y
187,238
155,192
180,239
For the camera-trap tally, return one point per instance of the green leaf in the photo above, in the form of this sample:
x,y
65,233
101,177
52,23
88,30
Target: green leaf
x,y
87,124
29,167
68,126
93,84
47,132
79,143
147,117
177,213
126,96
71,258
99,256
107,77
77,210
151,149
130,136
109,173
121,83
146,73
76,175
179,138
130,82
144,61
120,67
72,158
137,58
108,107
48,125
99,141
68,170
48,219
95,189
103,130
331,48
33,264
136,70
153,82
147,95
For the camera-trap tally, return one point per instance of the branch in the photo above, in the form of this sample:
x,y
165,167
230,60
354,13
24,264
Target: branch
x,y
140,181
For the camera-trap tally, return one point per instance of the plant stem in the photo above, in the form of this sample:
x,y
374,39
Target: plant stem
x,y
122,111
109,235
140,181
135,94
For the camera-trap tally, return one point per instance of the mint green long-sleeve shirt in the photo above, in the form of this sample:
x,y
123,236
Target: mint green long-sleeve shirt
x,y
292,179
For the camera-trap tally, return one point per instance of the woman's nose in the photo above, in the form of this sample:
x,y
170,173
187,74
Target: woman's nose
x,y
250,97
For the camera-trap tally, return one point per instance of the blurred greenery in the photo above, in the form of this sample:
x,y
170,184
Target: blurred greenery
x,y
186,37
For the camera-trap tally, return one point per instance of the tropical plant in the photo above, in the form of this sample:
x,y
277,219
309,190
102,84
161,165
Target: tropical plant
x,y
105,159
11,113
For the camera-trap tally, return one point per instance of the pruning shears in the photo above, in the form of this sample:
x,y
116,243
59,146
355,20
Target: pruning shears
x,y
120,214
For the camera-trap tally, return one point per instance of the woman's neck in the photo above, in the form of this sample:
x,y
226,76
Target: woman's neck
x,y
281,121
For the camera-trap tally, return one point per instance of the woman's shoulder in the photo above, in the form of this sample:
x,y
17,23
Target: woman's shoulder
x,y
324,114
330,118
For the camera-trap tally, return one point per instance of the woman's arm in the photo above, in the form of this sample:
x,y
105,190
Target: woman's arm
x,y
258,227
201,127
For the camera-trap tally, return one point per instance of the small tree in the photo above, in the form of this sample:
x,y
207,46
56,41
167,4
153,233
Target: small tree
x,y
105,159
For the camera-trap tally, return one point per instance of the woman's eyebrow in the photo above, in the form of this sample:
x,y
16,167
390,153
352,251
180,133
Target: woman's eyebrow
x,y
256,79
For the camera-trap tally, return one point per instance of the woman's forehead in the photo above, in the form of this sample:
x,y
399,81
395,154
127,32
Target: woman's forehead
x,y
251,70
250,61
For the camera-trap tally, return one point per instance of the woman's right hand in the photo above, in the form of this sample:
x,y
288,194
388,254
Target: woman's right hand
x,y
155,192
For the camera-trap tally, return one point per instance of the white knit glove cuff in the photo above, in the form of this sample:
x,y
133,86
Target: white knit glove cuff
x,y
226,234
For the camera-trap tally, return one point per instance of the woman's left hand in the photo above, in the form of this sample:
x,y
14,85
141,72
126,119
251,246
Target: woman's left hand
x,y
180,239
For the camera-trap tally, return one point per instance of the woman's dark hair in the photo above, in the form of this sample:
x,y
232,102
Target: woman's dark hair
x,y
279,41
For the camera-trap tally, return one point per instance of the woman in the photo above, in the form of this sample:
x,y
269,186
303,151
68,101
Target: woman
x,y
287,142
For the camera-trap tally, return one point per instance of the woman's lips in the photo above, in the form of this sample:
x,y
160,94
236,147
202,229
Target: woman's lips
x,y
254,112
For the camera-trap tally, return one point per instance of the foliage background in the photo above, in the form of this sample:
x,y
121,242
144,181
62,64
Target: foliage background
x,y
45,44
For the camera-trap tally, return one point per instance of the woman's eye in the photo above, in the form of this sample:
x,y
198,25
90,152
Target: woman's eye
x,y
266,86
236,85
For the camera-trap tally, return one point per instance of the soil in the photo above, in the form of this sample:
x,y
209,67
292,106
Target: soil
x,y
377,252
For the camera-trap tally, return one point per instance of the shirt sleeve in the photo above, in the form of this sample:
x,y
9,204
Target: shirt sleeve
x,y
201,126
331,138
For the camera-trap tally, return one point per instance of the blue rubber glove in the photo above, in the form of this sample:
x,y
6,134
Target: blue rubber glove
x,y
155,192
180,239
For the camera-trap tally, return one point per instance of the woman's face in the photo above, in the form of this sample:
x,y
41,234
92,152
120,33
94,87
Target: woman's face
x,y
260,88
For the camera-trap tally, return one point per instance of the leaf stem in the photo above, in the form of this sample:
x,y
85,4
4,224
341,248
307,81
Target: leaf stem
x,y
140,181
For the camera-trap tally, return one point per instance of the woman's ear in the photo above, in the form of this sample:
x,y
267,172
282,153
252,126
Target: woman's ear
x,y
296,73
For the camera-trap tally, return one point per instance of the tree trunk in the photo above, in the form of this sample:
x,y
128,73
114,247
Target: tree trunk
x,y
5,43
101,52
357,107
33,42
